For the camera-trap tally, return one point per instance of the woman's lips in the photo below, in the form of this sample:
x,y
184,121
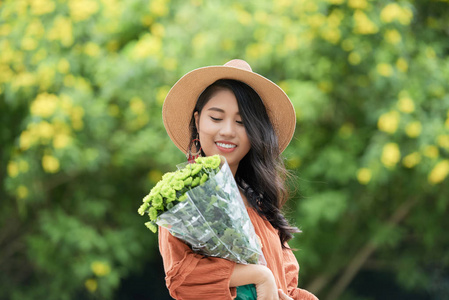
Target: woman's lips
x,y
225,147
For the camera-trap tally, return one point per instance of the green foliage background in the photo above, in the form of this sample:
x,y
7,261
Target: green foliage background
x,y
82,141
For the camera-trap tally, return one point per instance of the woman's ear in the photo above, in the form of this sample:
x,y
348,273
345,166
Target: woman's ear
x,y
197,120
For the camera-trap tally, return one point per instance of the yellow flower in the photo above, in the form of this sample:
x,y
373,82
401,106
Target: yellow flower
x,y
402,65
45,76
388,122
354,58
62,30
443,141
92,49
41,7
384,69
390,155
157,29
406,105
63,66
50,164
363,25
316,20
100,268
76,117
364,175
335,2
154,175
13,169
162,93
91,285
357,4
446,124
44,130
411,160
61,141
291,41
44,105
439,172
332,35
27,139
393,36
5,29
335,17
81,10
413,129
159,8
29,44
137,106
394,11
35,29
147,45
22,192
431,151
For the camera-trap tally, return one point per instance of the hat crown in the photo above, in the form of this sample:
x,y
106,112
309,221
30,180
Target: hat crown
x,y
239,63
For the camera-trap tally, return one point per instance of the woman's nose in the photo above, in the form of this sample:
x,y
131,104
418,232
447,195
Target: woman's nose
x,y
228,129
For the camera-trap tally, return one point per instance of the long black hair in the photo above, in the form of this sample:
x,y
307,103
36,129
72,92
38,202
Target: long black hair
x,y
261,173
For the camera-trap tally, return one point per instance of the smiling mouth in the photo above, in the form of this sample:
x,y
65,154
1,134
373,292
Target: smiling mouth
x,y
226,146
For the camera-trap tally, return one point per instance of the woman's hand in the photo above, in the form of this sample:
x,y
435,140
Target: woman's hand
x,y
258,275
283,296
266,286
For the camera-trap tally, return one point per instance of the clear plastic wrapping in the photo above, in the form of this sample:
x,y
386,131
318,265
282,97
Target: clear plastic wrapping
x,y
213,220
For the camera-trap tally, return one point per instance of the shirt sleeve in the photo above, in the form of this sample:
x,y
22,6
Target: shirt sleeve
x,y
291,268
194,276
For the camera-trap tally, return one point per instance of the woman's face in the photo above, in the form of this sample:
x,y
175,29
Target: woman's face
x,y
221,130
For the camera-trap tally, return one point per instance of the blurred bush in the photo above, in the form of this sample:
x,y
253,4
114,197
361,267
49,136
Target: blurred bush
x,y
81,88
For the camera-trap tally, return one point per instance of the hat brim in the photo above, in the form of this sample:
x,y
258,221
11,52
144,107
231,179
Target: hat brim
x,y
180,102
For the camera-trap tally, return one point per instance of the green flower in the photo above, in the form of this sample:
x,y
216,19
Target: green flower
x,y
152,213
169,206
158,202
147,199
178,184
182,174
204,178
183,198
168,176
214,161
196,168
152,226
168,193
195,182
155,190
143,208
188,181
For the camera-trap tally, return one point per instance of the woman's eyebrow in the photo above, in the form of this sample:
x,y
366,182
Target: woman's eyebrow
x,y
220,110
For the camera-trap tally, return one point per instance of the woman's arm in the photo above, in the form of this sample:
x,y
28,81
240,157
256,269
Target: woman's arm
x,y
259,275
192,276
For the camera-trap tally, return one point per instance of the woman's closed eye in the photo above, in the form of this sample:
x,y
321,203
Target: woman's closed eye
x,y
219,119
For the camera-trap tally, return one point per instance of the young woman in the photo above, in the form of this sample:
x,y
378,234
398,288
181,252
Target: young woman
x,y
241,115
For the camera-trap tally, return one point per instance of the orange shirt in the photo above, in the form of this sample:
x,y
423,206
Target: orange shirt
x,y
194,276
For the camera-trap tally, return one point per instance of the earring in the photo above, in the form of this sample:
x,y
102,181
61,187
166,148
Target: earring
x,y
192,156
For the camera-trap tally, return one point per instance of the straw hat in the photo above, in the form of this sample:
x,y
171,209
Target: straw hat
x,y
178,106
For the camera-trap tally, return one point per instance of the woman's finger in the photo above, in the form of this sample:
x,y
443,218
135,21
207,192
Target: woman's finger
x,y
283,296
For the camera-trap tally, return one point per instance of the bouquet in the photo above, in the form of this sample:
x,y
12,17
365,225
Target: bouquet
x,y
200,204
